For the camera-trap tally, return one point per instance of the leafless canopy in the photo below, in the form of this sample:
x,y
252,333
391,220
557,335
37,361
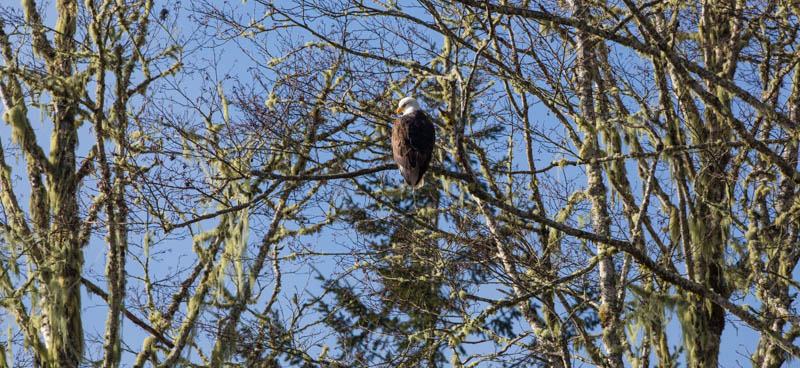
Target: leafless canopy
x,y
613,183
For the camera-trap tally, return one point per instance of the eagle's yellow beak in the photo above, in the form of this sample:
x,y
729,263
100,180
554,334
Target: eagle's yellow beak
x,y
399,110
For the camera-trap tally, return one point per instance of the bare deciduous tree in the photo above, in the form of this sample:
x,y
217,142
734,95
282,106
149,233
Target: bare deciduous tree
x,y
600,170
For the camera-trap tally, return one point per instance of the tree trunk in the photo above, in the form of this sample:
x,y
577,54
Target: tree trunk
x,y
609,306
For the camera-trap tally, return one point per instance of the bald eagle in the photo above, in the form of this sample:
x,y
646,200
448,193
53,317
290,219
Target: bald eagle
x,y
413,137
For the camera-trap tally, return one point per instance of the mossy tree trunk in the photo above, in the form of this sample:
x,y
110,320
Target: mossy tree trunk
x,y
778,240
708,218
63,256
69,59
591,125
555,254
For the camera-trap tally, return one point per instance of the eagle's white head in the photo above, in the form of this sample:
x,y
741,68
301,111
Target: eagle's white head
x,y
407,105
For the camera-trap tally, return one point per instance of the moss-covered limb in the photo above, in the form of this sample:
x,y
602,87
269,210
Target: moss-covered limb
x,y
116,238
41,44
661,46
139,39
503,253
787,190
520,104
773,285
610,308
89,222
675,135
766,273
276,287
36,163
555,336
5,47
269,244
41,81
609,88
709,230
588,341
61,309
117,207
12,301
706,293
609,98
63,39
194,303
684,166
522,109
659,270
18,229
271,240
703,325
138,15
62,296
172,70
655,324
211,272
739,35
637,220
654,333
94,289
61,269
180,296
720,108
550,319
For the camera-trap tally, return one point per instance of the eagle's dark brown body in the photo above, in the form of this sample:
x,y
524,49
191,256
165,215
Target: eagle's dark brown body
x,y
413,137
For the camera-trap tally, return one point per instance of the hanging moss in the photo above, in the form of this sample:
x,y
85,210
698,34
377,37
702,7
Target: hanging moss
x,y
674,226
16,117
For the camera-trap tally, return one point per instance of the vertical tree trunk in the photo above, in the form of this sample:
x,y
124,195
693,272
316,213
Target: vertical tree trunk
x,y
609,305
705,320
772,287
64,259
